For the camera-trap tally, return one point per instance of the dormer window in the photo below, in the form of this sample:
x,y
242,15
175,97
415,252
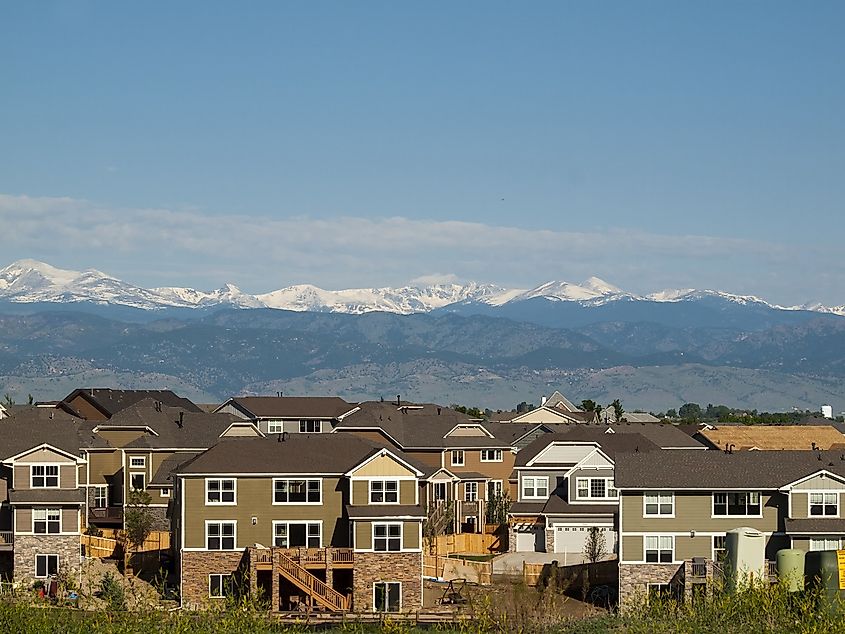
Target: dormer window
x,y
824,504
310,426
44,476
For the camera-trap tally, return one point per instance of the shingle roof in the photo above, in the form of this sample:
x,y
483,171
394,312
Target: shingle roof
x,y
22,496
384,511
292,406
775,437
163,475
663,435
815,525
198,429
33,427
714,469
110,401
611,444
526,508
556,505
299,453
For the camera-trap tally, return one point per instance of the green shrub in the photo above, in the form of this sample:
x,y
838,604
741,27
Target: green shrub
x,y
112,591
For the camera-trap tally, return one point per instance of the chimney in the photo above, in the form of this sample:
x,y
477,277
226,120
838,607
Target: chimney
x,y
543,400
398,400
438,411
279,394
181,419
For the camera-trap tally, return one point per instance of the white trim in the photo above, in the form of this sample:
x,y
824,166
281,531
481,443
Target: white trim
x,y
535,481
245,423
58,466
387,538
306,481
217,574
384,491
399,583
834,492
728,516
76,459
468,426
141,428
381,453
132,474
35,564
234,501
823,473
658,515
221,522
143,464
498,452
46,520
565,443
287,523
659,549
452,457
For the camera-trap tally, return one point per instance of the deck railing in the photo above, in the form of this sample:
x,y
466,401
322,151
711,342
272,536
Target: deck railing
x,y
7,538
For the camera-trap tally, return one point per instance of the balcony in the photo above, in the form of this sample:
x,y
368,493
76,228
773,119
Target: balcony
x,y
307,557
7,540
700,570
106,515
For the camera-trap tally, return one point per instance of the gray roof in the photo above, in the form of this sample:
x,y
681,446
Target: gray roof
x,y
291,406
384,511
30,428
299,453
714,469
163,475
664,435
110,401
556,505
611,444
198,430
815,525
418,426
527,508
38,496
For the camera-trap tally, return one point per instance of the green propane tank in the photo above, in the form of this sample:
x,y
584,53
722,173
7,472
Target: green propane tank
x,y
790,562
826,569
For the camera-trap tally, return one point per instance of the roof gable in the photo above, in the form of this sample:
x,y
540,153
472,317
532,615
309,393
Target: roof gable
x,y
383,463
44,453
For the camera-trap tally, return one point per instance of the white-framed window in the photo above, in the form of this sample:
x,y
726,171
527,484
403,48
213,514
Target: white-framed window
x,y
101,496
659,504
387,537
221,535
659,549
824,503
137,462
470,491
384,491
719,547
491,455
44,476
441,491
220,491
46,565
137,481
220,586
165,493
46,521
594,489
457,457
298,534
536,487
737,504
290,491
660,592
494,489
825,543
387,596
275,426
310,426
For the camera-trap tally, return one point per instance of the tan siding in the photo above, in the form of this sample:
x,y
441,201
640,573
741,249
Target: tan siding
x,y
254,497
383,466
44,455
820,484
408,491
86,410
493,470
23,520
410,534
687,547
241,431
467,431
371,435
21,478
360,492
82,471
70,520
363,535
693,511
120,438
67,477
799,505
801,544
102,465
632,548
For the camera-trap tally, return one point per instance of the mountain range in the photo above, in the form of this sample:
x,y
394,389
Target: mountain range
x,y
34,282
473,344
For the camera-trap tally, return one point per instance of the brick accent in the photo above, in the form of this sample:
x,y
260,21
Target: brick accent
x,y
550,539
634,580
372,567
160,520
197,565
27,546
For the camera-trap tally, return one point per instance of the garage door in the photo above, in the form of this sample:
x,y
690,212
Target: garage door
x,y
528,540
571,539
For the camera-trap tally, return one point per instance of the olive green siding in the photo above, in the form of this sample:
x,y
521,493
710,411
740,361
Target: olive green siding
x,y
361,492
801,544
411,535
254,498
364,534
693,511
67,477
103,465
799,505
408,491
23,520
120,438
632,548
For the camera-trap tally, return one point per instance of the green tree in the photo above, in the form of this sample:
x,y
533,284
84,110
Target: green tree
x,y
29,399
498,507
617,409
138,522
588,405
671,413
8,400
690,411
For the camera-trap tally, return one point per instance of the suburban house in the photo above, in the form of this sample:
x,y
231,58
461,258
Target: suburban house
x,y
554,409
676,508
328,519
466,464
98,404
291,414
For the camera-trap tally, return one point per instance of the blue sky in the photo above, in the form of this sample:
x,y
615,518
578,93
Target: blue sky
x,y
654,144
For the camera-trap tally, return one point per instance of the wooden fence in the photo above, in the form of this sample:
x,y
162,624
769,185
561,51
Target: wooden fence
x,y
480,572
468,543
576,579
113,546
531,573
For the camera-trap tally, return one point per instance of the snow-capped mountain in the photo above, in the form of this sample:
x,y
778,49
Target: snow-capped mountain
x,y
29,281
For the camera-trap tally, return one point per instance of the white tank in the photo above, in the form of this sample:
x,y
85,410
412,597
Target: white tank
x,y
745,557
827,411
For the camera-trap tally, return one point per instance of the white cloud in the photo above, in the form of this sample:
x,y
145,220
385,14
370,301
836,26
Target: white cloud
x,y
188,246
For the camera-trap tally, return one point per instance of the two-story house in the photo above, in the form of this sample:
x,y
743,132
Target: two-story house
x,y
99,404
676,510
323,518
291,414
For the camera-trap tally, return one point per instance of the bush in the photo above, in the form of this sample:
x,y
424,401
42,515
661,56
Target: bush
x,y
112,591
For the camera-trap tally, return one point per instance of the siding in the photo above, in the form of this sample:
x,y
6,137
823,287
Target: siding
x,y
103,465
23,520
472,463
88,411
361,492
70,520
254,499
820,484
44,455
800,504
364,535
120,438
383,466
632,548
67,477
693,512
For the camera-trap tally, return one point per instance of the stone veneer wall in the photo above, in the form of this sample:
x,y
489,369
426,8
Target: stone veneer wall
x,y
197,565
373,567
160,520
634,580
550,539
27,546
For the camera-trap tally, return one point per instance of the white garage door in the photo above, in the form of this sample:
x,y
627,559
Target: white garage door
x,y
571,539
527,540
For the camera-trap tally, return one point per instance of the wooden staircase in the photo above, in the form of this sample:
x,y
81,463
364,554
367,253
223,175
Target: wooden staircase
x,y
316,589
